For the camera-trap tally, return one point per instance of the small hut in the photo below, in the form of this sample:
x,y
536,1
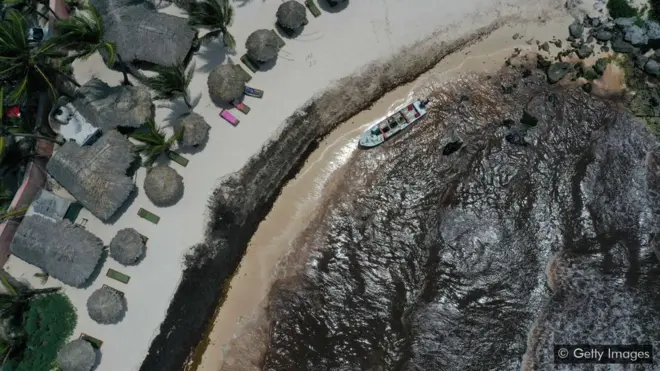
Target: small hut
x,y
263,45
195,130
127,247
163,186
291,15
106,305
225,84
78,355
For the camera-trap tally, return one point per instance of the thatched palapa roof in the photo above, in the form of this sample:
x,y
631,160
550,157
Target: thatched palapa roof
x,y
141,33
96,175
78,355
108,107
106,305
291,15
195,130
225,83
64,250
262,45
127,247
163,185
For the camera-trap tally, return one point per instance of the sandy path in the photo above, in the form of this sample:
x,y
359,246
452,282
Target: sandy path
x,y
299,199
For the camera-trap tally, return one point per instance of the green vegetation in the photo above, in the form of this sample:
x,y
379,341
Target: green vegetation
x,y
215,16
621,9
154,141
172,82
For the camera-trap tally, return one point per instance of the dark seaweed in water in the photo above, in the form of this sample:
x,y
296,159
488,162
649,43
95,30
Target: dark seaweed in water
x,y
436,262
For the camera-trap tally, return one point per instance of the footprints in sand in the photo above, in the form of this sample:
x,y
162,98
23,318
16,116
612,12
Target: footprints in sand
x,y
310,60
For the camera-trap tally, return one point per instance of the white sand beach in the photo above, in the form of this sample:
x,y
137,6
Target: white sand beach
x,y
331,46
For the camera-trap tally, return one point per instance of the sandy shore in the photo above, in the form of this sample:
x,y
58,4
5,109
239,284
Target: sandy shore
x,y
233,337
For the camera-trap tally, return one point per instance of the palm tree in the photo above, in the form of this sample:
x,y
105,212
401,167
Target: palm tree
x,y
30,6
172,82
154,141
84,34
25,67
214,15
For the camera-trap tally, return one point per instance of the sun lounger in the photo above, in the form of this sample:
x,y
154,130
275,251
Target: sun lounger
x,y
252,92
241,106
121,293
249,63
96,343
229,117
280,40
177,158
142,213
311,5
115,275
246,76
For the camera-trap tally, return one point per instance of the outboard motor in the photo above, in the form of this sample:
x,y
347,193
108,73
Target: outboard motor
x,y
424,103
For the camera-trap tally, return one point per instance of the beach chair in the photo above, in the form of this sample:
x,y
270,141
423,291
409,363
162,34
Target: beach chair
x,y
142,213
241,71
311,5
96,343
241,106
118,276
280,40
252,92
121,293
229,117
249,63
177,158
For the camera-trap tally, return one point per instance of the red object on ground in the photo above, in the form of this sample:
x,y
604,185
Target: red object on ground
x,y
417,115
13,111
410,107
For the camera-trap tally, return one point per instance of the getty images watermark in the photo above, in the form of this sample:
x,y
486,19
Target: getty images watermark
x,y
602,354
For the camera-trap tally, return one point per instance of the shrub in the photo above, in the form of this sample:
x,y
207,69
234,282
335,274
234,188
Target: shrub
x,y
49,322
654,9
621,9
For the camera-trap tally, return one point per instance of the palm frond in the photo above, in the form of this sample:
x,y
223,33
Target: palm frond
x,y
211,14
84,34
10,287
171,82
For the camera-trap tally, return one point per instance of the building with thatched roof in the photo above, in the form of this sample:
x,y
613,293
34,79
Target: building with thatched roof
x,y
127,247
106,305
263,45
96,175
226,83
291,15
142,34
105,107
163,186
62,249
195,130
78,355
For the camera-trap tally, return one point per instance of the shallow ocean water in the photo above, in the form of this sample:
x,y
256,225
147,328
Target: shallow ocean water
x,y
484,258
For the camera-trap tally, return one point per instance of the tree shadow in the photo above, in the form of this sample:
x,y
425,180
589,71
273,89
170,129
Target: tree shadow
x,y
97,362
97,270
329,8
178,109
213,53
267,66
194,150
124,207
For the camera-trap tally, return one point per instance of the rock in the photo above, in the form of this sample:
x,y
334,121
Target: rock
x,y
508,89
515,36
653,30
542,63
545,47
657,53
621,46
600,65
636,35
528,119
576,44
595,22
576,30
624,23
605,49
558,43
590,39
590,74
452,147
640,61
516,135
526,73
584,52
557,71
652,67
508,123
645,103
603,35
587,87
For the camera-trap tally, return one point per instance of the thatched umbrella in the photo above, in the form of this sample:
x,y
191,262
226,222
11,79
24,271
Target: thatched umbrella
x,y
127,247
225,83
291,15
163,185
195,130
106,305
78,355
262,45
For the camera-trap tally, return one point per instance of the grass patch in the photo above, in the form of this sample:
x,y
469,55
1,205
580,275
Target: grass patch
x,y
48,323
621,9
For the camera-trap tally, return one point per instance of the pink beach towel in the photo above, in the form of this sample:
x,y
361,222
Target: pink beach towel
x,y
229,117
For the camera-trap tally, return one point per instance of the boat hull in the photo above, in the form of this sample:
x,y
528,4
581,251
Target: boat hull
x,y
387,127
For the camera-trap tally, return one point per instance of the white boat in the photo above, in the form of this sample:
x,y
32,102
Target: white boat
x,y
389,126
